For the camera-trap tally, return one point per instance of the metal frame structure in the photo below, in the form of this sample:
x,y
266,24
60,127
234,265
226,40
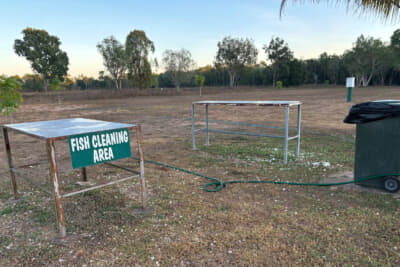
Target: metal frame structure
x,y
54,174
286,137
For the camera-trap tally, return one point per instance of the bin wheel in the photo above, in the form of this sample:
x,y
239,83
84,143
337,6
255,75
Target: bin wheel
x,y
391,184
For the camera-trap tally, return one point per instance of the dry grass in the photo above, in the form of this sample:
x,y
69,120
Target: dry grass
x,y
243,224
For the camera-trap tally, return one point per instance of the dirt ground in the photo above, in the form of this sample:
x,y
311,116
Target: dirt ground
x,y
243,224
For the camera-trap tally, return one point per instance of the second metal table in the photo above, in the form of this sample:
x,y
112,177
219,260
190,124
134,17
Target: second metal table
x,y
285,104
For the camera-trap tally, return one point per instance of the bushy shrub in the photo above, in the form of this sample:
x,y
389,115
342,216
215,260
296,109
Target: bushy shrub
x,y
55,84
10,97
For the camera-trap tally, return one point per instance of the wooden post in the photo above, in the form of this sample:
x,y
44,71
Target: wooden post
x,y
57,192
10,162
84,174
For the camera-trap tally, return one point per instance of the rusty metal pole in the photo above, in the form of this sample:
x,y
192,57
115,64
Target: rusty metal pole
x,y
141,163
57,192
10,163
84,174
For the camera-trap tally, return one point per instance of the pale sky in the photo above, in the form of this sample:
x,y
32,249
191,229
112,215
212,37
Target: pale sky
x,y
309,29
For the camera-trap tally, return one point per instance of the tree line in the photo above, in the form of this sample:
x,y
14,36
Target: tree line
x,y
130,64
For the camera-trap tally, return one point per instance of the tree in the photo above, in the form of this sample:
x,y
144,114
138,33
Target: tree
x,y
235,53
154,80
32,83
395,40
364,59
178,65
138,47
115,59
165,81
296,74
329,66
200,79
55,84
68,82
44,53
84,79
279,55
382,8
10,97
395,51
386,62
312,66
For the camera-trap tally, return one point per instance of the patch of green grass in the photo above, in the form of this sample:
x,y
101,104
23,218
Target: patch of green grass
x,y
89,193
40,214
43,216
35,235
264,157
111,212
5,241
6,211
23,205
382,202
4,195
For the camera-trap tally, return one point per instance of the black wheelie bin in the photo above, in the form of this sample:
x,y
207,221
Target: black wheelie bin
x,y
377,143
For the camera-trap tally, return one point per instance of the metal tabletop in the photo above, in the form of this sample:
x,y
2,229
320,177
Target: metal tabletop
x,y
248,103
65,127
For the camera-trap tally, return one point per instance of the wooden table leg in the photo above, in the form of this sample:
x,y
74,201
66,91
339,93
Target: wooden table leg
x,y
57,192
84,174
10,162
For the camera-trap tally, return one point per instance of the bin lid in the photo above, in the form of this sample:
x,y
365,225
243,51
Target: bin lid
x,y
373,111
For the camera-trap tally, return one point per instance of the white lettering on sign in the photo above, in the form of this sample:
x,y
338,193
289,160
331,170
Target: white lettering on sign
x,y
97,147
103,154
109,139
102,140
101,144
80,143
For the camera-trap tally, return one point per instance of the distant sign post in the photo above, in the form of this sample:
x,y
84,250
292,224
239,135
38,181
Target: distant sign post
x,y
94,148
350,82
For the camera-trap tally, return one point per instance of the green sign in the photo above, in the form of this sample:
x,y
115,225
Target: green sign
x,y
94,148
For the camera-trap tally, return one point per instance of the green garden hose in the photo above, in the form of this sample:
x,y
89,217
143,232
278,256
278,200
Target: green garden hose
x,y
217,184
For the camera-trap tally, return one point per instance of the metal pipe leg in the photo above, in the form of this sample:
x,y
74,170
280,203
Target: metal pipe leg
x,y
207,136
141,163
298,130
84,174
193,130
57,192
10,163
285,153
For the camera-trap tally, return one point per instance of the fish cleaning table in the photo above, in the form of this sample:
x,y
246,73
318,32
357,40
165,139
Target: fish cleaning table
x,y
285,104
90,141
